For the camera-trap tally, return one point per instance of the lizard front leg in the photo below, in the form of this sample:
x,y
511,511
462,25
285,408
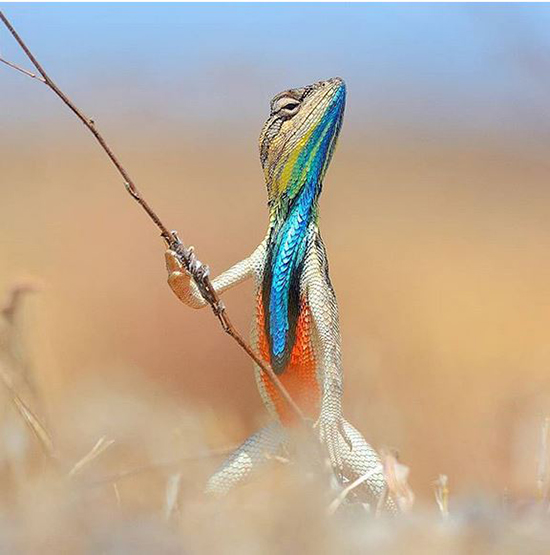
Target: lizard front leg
x,y
184,287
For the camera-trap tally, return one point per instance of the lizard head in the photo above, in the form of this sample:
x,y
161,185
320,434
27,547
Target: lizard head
x,y
298,139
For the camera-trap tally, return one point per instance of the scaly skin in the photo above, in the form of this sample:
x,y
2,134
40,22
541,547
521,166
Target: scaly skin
x,y
296,328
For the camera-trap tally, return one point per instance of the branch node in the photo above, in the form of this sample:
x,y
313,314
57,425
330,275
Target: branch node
x,y
132,190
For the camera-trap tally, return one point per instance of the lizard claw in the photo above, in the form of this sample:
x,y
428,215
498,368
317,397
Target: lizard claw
x,y
194,268
174,241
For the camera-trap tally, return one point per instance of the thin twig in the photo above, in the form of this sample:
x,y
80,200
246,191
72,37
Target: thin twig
x,y
441,491
101,446
197,270
117,495
23,70
172,493
332,508
30,419
543,470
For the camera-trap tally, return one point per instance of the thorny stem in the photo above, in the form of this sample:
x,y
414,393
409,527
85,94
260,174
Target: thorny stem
x,y
198,271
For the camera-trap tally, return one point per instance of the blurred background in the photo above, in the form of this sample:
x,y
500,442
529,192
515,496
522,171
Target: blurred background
x,y
435,213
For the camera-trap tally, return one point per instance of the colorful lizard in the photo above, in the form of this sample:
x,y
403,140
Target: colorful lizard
x,y
296,328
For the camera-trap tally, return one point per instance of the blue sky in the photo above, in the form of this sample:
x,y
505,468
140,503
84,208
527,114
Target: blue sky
x,y
458,64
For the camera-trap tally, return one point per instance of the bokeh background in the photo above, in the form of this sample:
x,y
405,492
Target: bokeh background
x,y
435,213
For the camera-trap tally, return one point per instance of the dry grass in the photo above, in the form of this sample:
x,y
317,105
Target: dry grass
x,y
137,489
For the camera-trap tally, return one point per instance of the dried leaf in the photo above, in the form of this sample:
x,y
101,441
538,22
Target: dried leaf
x,y
397,476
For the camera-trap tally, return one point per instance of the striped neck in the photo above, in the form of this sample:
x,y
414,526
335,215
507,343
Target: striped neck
x,y
296,146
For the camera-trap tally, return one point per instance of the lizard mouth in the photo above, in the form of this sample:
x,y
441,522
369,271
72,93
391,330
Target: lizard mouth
x,y
328,86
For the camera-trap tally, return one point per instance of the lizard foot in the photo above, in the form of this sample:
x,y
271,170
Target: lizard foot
x,y
189,261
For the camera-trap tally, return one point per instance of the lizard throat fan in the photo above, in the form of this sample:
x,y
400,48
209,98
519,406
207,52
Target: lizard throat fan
x,y
296,146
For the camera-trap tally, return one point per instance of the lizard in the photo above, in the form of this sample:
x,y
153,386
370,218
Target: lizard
x,y
296,325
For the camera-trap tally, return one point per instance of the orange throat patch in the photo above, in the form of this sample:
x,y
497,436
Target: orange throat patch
x,y
300,375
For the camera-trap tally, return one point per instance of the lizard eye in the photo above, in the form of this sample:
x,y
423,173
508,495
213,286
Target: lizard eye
x,y
292,105
285,106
